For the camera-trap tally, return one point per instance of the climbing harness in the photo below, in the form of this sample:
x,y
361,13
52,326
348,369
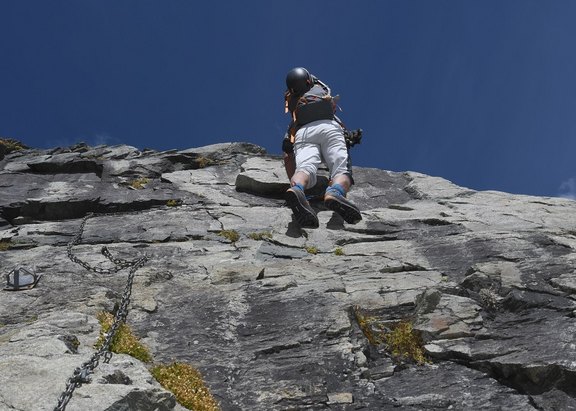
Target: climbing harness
x,y
81,374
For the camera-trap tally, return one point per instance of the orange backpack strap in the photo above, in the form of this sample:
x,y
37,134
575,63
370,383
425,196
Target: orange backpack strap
x,y
287,96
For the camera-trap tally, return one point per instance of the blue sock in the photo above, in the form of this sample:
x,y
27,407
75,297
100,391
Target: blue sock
x,y
338,189
298,186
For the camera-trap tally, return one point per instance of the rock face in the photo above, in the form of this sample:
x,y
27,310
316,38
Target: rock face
x,y
270,318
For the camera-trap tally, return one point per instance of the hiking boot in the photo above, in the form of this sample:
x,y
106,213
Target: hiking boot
x,y
340,204
303,212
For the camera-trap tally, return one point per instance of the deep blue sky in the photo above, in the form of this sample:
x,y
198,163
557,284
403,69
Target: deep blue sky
x,y
482,93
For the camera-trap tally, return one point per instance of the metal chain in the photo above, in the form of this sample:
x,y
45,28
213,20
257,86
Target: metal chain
x,y
118,263
82,374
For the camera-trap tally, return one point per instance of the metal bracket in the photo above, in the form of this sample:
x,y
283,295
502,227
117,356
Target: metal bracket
x,y
21,278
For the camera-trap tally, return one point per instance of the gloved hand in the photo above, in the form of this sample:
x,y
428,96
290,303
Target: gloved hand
x,y
352,137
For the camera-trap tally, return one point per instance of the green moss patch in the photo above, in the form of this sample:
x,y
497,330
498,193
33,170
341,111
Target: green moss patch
x,y
124,342
187,385
405,343
398,337
367,325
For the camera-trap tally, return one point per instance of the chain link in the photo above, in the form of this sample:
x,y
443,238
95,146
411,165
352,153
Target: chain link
x,y
82,374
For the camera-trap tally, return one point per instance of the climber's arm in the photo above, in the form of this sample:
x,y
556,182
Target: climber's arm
x,y
290,164
289,158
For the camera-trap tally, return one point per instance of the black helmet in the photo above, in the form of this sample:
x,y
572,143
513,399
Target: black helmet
x,y
298,80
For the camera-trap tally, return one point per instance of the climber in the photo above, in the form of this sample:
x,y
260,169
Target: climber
x,y
315,134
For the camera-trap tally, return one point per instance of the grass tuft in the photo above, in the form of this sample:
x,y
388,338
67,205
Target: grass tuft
x,y
139,183
124,342
5,245
9,145
312,250
187,385
203,162
231,235
400,339
404,342
260,236
367,324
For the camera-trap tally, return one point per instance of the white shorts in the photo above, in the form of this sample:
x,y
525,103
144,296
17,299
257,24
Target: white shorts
x,y
321,141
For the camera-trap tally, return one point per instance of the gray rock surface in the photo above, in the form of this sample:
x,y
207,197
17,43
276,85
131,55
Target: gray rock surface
x,y
487,278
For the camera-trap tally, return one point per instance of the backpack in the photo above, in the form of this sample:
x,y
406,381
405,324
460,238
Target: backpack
x,y
315,104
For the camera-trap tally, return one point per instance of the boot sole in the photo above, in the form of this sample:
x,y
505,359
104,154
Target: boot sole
x,y
349,213
305,217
